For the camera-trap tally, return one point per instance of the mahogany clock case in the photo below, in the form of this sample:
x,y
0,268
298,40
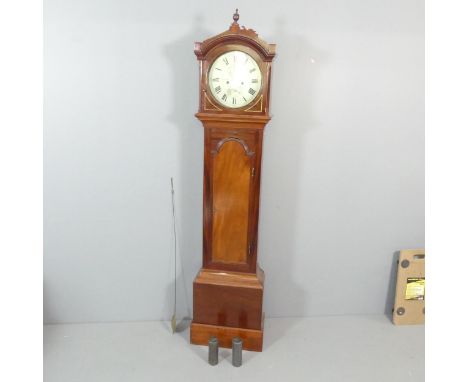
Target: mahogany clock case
x,y
228,290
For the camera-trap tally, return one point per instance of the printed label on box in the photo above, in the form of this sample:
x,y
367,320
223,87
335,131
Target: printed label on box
x,y
415,288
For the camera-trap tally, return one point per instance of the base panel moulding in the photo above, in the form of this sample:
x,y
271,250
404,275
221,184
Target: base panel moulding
x,y
201,333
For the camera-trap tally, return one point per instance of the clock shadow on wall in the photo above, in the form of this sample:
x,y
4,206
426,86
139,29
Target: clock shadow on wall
x,y
189,178
294,77
282,153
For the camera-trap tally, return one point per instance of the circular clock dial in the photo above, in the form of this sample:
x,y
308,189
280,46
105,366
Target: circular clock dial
x,y
234,79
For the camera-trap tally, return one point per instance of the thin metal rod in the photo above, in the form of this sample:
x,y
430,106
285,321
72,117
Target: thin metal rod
x,y
175,254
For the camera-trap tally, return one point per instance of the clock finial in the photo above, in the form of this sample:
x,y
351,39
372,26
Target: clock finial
x,y
235,16
234,26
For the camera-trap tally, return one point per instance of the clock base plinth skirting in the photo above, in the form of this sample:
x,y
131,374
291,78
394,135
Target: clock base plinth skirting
x,y
200,334
227,305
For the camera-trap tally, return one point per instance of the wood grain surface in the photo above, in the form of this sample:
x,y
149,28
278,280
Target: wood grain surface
x,y
231,186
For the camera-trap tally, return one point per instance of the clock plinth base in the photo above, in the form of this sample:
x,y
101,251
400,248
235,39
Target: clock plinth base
x,y
227,305
251,339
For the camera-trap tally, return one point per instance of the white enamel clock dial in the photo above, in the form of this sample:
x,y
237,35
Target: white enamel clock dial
x,y
235,79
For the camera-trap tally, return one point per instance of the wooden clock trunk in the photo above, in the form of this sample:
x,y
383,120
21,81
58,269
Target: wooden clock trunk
x,y
228,290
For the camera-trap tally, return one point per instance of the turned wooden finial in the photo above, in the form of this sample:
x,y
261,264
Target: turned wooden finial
x,y
235,16
234,26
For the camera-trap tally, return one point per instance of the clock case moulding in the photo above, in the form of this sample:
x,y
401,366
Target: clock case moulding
x,y
228,290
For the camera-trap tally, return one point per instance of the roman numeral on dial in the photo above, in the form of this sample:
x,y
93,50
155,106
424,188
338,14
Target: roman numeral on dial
x,y
234,88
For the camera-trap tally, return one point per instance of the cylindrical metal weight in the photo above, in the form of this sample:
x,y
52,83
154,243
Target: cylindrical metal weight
x,y
236,352
213,351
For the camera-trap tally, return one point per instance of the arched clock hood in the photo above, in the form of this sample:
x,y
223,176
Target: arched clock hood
x,y
247,41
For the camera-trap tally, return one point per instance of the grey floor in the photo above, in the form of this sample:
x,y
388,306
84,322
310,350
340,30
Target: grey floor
x,y
340,348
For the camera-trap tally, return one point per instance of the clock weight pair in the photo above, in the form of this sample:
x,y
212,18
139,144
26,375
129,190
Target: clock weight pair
x,y
236,351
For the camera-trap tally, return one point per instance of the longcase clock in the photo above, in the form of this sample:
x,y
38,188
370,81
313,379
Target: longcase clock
x,y
235,69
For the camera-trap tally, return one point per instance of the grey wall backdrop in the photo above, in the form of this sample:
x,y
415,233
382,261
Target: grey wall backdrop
x,y
343,175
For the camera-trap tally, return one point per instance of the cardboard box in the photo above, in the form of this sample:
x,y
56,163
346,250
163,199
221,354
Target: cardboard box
x,y
410,294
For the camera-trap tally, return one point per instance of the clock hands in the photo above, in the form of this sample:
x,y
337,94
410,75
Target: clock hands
x,y
234,79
